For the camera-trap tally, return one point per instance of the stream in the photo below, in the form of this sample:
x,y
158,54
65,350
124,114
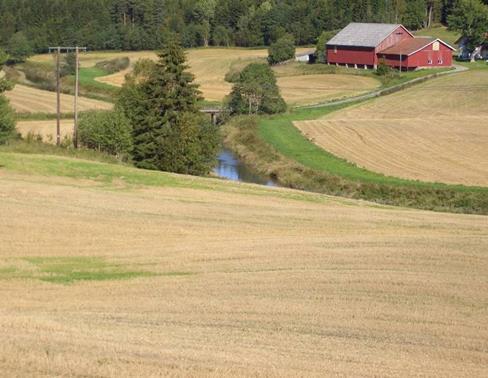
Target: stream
x,y
230,167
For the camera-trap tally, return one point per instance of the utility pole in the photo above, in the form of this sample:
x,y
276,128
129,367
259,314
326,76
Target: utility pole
x,y
58,50
401,63
77,88
58,97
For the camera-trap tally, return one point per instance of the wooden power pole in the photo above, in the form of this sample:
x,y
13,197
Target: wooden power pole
x,y
58,51
58,96
77,89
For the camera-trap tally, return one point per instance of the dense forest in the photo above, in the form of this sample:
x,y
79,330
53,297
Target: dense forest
x,y
144,24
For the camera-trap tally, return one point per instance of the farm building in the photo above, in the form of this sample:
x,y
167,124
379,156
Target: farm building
x,y
306,57
364,45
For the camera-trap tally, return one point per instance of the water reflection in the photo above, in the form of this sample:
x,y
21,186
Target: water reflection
x,y
231,168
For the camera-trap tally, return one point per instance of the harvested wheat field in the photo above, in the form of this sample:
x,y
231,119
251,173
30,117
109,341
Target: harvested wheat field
x,y
103,275
91,58
208,65
45,129
436,131
313,89
211,65
31,100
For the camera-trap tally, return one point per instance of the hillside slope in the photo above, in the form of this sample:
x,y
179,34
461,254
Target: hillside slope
x,y
435,132
108,270
211,65
31,100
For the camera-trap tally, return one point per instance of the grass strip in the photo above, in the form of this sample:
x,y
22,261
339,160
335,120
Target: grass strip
x,y
107,173
273,146
279,132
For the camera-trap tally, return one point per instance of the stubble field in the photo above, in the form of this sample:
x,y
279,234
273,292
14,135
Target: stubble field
x,y
25,99
211,65
225,279
436,132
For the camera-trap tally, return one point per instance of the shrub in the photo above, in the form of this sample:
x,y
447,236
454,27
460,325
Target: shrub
x,y
106,131
383,69
3,57
282,50
385,72
114,65
256,92
232,76
41,75
69,65
234,73
7,120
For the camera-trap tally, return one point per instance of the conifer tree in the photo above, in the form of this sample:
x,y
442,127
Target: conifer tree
x,y
169,133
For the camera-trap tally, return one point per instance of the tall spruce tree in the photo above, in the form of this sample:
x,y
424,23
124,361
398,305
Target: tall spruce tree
x,y
169,132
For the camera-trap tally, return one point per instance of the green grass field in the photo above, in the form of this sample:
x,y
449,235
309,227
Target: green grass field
x,y
88,76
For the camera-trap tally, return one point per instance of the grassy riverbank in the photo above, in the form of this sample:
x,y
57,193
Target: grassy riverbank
x,y
273,146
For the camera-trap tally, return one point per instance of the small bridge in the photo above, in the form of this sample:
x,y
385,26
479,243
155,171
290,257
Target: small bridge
x,y
214,113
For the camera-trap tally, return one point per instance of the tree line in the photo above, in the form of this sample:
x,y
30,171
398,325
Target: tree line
x,y
146,24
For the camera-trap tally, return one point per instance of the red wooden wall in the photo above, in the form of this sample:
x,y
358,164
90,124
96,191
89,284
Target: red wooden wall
x,y
351,55
441,58
365,56
398,35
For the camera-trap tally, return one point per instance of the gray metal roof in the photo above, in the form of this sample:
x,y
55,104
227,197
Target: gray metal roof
x,y
362,34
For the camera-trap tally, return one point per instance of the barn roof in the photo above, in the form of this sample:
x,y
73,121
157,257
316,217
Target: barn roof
x,y
363,34
411,46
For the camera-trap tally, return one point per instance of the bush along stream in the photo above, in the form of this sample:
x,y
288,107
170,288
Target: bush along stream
x,y
273,147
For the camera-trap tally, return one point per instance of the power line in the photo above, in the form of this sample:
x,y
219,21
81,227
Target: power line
x,y
59,50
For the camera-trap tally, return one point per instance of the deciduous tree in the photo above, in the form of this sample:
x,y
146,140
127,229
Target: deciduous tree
x,y
470,18
256,92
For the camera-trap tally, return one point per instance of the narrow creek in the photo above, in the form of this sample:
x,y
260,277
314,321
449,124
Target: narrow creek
x,y
231,168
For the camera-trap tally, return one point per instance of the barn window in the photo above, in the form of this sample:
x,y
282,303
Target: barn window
x,y
429,61
335,49
435,46
439,61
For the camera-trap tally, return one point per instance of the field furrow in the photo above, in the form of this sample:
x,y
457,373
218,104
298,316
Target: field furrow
x,y
211,65
31,100
435,132
241,280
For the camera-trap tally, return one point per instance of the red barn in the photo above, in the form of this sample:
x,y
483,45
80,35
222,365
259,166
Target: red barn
x,y
364,45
